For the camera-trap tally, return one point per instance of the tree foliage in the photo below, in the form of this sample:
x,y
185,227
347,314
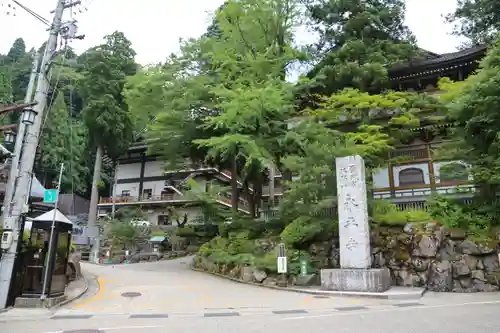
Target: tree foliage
x,y
478,20
359,40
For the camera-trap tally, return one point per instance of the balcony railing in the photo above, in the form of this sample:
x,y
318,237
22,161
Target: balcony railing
x,y
144,198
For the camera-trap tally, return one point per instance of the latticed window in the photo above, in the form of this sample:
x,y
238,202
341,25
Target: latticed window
x,y
411,176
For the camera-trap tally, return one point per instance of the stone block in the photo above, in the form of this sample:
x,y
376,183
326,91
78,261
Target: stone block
x,y
364,280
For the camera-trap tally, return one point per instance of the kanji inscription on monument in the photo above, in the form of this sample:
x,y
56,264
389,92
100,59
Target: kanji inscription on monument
x,y
354,232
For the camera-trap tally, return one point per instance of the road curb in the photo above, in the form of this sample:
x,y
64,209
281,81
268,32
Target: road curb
x,y
315,292
77,296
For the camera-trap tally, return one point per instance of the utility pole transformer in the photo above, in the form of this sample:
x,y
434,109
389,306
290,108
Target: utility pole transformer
x,y
22,189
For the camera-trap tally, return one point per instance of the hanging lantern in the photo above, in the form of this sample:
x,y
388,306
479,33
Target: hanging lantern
x,y
29,116
9,137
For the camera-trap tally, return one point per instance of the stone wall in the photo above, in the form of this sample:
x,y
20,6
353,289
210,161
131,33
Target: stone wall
x,y
427,255
418,255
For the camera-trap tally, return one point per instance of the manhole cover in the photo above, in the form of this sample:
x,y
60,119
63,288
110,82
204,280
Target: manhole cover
x,y
131,294
321,297
84,331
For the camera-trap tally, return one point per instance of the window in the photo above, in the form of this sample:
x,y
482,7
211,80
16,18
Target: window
x,y
166,195
126,193
412,176
164,220
453,172
147,193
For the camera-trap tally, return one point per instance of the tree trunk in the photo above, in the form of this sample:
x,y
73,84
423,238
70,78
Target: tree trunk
x,y
271,186
94,198
234,186
249,197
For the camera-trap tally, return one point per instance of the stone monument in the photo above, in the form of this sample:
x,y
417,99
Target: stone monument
x,y
355,273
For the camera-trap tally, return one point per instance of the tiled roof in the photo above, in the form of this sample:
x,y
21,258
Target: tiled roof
x,y
443,58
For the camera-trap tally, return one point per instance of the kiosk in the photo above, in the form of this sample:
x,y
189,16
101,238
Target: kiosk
x,y
36,259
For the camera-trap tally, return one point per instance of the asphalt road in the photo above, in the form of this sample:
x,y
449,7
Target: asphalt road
x,y
168,297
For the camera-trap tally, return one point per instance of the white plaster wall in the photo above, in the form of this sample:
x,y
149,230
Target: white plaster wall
x,y
438,165
125,171
422,166
157,186
132,187
381,178
154,168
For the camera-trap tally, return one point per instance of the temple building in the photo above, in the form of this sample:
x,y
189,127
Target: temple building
x,y
141,179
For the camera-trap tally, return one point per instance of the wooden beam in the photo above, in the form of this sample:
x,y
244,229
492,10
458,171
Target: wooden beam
x,y
17,107
8,127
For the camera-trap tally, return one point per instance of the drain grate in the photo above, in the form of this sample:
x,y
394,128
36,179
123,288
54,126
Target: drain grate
x,y
319,296
131,294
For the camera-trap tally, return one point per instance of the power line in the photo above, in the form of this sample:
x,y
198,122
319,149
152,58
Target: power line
x,y
32,13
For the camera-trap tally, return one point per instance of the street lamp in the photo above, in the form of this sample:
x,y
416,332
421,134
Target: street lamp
x,y
29,116
9,137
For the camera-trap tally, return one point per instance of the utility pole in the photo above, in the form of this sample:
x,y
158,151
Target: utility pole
x,y
9,191
21,194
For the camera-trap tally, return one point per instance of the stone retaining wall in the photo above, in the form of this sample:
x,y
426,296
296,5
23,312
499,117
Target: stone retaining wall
x,y
419,255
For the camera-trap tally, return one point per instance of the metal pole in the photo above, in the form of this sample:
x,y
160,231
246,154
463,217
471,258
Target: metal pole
x,y
27,159
14,168
113,207
51,238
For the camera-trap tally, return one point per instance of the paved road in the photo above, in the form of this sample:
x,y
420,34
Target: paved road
x,y
175,299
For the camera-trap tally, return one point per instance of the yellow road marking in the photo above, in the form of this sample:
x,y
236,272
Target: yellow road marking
x,y
308,299
98,296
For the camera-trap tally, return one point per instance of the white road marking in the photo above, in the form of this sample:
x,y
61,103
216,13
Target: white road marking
x,y
411,308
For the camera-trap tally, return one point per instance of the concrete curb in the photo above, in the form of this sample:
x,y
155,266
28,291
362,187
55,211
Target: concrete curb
x,y
74,298
316,292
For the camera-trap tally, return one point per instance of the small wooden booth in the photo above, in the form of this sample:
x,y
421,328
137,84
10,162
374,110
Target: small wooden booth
x,y
38,256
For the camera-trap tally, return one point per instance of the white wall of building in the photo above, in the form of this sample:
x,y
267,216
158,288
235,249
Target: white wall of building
x,y
156,186
381,178
193,214
132,187
126,171
154,169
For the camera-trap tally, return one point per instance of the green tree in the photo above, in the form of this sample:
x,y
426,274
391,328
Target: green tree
x,y
17,50
361,40
63,140
478,20
105,113
478,124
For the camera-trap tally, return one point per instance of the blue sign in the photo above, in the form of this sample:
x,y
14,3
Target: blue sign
x,y
50,196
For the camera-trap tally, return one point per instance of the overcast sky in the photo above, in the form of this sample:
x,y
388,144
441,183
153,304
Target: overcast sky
x,y
155,26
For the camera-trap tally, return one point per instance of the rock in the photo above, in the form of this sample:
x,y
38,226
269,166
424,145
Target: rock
x,y
431,226
306,280
379,260
478,275
420,265
466,282
483,287
270,281
404,239
480,264
440,276
426,247
471,261
457,234
447,251
468,247
460,268
493,278
409,229
235,272
491,263
247,274
408,279
259,275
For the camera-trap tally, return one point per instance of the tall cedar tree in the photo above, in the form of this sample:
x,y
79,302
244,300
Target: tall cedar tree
x,y
105,113
359,40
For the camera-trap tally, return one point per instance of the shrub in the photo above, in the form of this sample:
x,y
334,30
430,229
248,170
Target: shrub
x,y
305,229
385,212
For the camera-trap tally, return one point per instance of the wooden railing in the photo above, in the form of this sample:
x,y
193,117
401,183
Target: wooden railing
x,y
144,198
